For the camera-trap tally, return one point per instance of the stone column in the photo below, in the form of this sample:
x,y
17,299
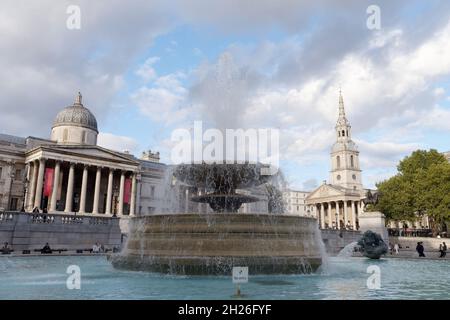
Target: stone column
x,y
338,216
109,191
39,183
55,187
69,195
330,219
322,215
98,178
345,214
32,186
121,192
138,197
133,195
83,189
353,215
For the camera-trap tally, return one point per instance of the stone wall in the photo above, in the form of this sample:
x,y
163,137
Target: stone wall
x,y
26,231
410,243
336,240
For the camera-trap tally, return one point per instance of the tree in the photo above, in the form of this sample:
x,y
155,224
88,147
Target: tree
x,y
421,186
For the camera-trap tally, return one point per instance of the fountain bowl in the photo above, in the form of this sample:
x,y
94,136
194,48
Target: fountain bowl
x,y
211,244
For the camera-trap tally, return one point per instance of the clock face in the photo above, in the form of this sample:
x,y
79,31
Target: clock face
x,y
354,177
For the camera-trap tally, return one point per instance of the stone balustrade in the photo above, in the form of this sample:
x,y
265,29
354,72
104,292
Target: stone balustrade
x,y
28,231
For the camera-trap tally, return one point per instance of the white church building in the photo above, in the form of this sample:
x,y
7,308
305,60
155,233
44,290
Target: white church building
x,y
337,204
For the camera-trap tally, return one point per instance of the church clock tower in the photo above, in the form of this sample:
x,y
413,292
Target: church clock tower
x,y
345,169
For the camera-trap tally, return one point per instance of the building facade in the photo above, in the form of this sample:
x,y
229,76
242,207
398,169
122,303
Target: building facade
x,y
70,173
295,203
337,204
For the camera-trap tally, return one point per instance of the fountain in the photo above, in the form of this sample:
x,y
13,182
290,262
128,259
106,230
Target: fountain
x,y
212,243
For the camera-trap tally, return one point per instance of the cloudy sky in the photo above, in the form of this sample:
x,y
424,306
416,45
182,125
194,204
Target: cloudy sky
x,y
146,68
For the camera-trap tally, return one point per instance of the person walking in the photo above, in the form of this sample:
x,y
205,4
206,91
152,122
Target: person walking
x,y
396,248
441,251
420,249
444,249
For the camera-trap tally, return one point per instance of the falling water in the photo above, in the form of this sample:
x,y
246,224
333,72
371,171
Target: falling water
x,y
348,250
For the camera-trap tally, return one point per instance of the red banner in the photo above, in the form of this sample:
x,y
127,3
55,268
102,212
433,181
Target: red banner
x,y
127,191
48,181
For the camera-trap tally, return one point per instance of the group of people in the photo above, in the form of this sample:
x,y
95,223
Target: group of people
x,y
6,249
394,248
98,248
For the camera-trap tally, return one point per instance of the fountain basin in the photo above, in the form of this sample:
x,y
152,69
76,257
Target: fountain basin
x,y
213,243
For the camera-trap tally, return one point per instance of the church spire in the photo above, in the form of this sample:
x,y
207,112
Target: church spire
x,y
342,124
341,105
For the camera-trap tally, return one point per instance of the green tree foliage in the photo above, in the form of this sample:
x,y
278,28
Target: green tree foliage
x,y
422,185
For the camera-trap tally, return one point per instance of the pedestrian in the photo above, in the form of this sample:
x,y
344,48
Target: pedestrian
x,y
391,248
441,250
420,249
6,248
396,248
444,249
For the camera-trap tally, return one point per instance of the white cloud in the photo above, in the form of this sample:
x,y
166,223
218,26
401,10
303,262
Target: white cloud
x,y
117,143
164,99
146,70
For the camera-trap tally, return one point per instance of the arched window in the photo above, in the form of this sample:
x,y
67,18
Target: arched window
x,y
65,134
83,137
352,162
339,133
343,133
338,161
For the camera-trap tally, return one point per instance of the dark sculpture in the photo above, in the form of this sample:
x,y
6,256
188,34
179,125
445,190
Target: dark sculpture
x,y
372,245
371,199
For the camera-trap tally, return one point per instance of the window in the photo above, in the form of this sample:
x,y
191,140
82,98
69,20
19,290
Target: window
x,y
83,137
338,177
65,134
1,171
343,133
354,177
13,204
18,175
338,161
152,191
352,162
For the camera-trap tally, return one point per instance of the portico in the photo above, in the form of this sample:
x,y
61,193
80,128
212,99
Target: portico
x,y
81,178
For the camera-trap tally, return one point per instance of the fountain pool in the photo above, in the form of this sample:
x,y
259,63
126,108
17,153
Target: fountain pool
x,y
45,278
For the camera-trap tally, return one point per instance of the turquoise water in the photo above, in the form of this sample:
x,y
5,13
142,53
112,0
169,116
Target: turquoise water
x,y
45,278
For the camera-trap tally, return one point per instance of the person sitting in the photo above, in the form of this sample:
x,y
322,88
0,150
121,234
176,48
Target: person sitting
x,y
46,249
95,248
6,248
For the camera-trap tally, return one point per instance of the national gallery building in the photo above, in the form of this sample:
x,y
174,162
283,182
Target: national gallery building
x,y
70,173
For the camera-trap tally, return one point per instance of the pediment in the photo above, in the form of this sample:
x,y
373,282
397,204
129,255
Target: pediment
x,y
325,191
90,152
